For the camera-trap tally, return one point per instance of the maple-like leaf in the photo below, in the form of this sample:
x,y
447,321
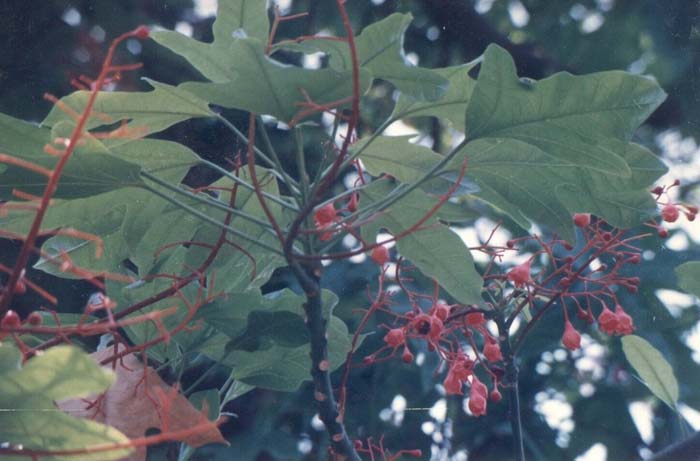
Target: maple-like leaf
x,y
141,400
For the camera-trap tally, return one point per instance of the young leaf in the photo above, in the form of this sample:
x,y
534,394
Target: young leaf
x,y
688,276
652,368
61,372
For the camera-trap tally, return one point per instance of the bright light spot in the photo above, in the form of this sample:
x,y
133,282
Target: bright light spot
x,y
428,427
586,389
349,241
692,339
82,54
675,301
97,33
648,255
483,6
134,46
284,5
412,58
592,22
642,416
597,452
185,28
439,411
578,12
555,411
518,14
399,128
205,8
543,368
383,236
691,415
399,403
358,258
312,61
316,423
605,5
560,355
71,17
304,446
677,242
432,34
378,2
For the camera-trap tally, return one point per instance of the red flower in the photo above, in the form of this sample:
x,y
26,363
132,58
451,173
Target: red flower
x,y
520,274
477,397
571,338
607,321
440,310
395,337
492,351
475,319
453,385
670,213
582,219
380,255
625,325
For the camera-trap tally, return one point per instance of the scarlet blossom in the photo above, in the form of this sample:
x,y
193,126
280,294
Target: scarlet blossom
x,y
324,218
428,325
520,274
407,356
607,321
440,310
380,255
395,337
492,351
475,318
582,219
477,397
452,384
571,338
625,325
670,213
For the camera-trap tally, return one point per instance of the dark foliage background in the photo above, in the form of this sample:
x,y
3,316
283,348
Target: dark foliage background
x,y
47,42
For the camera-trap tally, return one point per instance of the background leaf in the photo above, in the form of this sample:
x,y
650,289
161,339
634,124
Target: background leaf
x,y
654,370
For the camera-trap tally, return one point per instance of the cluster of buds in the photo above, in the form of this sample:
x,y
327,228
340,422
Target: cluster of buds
x,y
670,211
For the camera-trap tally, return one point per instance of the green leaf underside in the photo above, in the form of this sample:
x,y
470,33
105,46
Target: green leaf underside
x,y
652,368
243,77
688,275
60,373
380,51
132,222
146,112
92,169
452,106
273,351
434,249
540,154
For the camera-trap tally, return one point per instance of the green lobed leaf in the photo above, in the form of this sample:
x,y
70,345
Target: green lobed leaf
x,y
544,150
380,51
132,222
652,368
259,84
275,354
452,106
247,15
61,372
688,275
434,249
92,169
244,77
146,112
